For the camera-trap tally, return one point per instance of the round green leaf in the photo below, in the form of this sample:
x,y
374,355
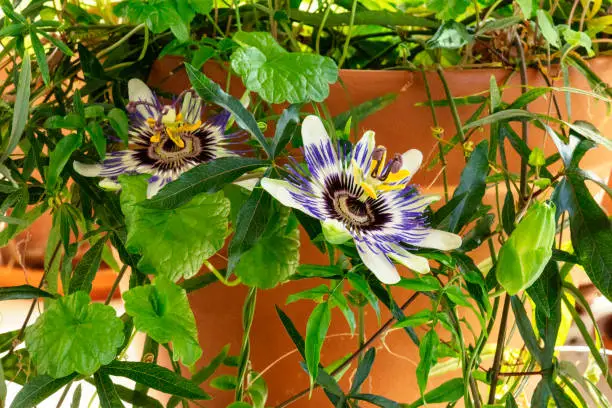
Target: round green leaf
x,y
272,259
162,311
280,76
74,335
173,242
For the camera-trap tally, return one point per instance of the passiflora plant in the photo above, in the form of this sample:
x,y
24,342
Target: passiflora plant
x,y
179,192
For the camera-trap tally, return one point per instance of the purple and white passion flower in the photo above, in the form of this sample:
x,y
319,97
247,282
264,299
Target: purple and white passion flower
x,y
358,194
164,140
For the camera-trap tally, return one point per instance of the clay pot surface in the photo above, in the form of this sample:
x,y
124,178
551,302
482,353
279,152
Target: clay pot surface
x,y
399,126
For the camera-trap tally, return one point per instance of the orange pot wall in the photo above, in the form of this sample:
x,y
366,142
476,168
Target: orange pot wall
x,y
399,126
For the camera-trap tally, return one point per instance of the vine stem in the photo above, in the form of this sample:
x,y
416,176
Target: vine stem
x,y
121,41
451,102
499,349
348,35
248,314
219,276
524,124
437,128
353,356
34,301
116,284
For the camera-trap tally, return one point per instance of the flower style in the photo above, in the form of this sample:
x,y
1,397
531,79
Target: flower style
x,y
357,193
164,140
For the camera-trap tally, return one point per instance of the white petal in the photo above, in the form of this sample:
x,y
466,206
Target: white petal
x,y
281,190
138,91
170,115
410,261
155,185
379,264
411,161
191,107
363,149
313,131
87,170
335,232
248,184
442,240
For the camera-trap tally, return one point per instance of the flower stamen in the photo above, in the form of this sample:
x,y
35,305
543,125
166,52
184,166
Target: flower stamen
x,y
174,128
381,177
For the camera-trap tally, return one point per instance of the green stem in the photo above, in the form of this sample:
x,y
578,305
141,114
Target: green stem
x,y
525,124
115,284
499,350
451,102
361,330
121,41
320,31
219,276
348,35
247,321
237,10
434,116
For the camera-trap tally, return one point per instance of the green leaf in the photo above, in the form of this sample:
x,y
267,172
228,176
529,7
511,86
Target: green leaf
x,y
508,213
202,6
546,291
547,26
317,294
224,382
60,156
363,370
417,319
156,377
449,391
448,10
360,284
136,398
23,292
250,224
210,369
76,397
41,57
98,138
316,330
71,121
172,242
212,92
74,335
119,122
451,35
22,108
209,177
239,404
591,230
526,8
286,128
377,400
424,283
106,391
357,113
39,389
427,353
86,269
272,259
280,76
471,187
162,311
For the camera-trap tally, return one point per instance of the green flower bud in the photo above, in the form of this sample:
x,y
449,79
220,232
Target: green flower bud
x,y
335,233
523,257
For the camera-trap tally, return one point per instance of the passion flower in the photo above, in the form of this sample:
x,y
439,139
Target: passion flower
x,y
357,193
164,140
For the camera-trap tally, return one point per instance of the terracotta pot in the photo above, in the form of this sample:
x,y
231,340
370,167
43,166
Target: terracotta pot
x,y
399,126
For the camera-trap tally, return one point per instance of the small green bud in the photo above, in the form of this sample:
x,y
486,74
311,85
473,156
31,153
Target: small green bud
x,y
542,182
335,233
536,157
523,257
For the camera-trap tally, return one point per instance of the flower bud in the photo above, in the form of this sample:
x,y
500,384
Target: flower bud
x,y
525,254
